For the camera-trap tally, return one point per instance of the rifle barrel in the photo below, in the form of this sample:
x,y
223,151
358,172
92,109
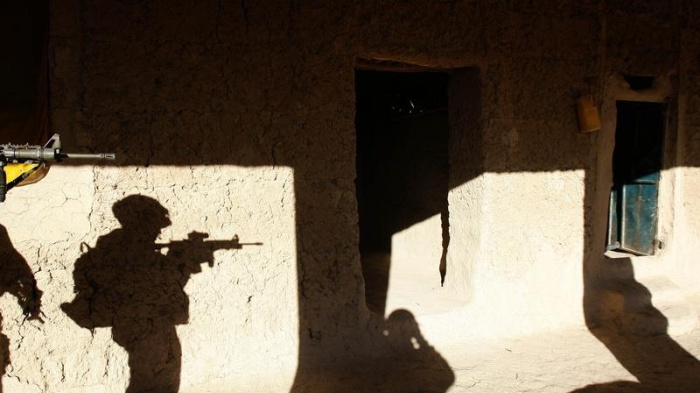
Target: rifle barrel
x,y
89,156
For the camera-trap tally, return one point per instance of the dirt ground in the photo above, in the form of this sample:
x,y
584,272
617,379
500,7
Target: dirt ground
x,y
627,354
576,361
573,360
567,361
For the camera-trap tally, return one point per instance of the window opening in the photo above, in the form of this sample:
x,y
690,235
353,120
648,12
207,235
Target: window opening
x,y
639,83
637,162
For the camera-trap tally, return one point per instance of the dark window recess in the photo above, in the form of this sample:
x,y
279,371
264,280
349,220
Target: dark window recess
x,y
639,83
637,162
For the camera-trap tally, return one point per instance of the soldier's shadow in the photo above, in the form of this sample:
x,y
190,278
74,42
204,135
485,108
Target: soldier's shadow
x,y
126,282
390,356
17,279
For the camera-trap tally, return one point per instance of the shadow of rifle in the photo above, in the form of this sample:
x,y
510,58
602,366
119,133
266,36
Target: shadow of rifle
x,y
197,248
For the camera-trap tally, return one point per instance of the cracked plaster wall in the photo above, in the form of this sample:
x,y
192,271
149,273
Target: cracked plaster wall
x,y
238,117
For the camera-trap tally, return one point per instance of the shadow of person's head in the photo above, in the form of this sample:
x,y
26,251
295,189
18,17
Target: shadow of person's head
x,y
404,320
144,217
403,333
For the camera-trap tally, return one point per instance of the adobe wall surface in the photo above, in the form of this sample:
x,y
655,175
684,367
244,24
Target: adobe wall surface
x,y
238,118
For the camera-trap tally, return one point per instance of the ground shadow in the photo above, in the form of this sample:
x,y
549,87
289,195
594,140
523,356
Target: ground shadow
x,y
620,314
129,283
400,360
16,278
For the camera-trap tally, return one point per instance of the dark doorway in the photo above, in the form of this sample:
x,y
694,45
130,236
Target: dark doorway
x,y
402,167
637,162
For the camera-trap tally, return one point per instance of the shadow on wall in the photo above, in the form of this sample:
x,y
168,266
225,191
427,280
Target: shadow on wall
x,y
127,283
16,278
400,361
636,333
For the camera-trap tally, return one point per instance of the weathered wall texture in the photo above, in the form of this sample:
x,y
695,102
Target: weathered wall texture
x,y
238,117
236,317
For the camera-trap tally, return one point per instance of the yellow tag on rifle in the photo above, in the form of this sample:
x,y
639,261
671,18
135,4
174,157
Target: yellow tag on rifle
x,y
22,174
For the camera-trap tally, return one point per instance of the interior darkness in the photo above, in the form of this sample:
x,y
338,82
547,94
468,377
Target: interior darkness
x,y
21,39
639,83
638,140
23,71
402,164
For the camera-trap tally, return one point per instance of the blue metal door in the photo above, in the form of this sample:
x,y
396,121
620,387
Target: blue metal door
x,y
633,216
